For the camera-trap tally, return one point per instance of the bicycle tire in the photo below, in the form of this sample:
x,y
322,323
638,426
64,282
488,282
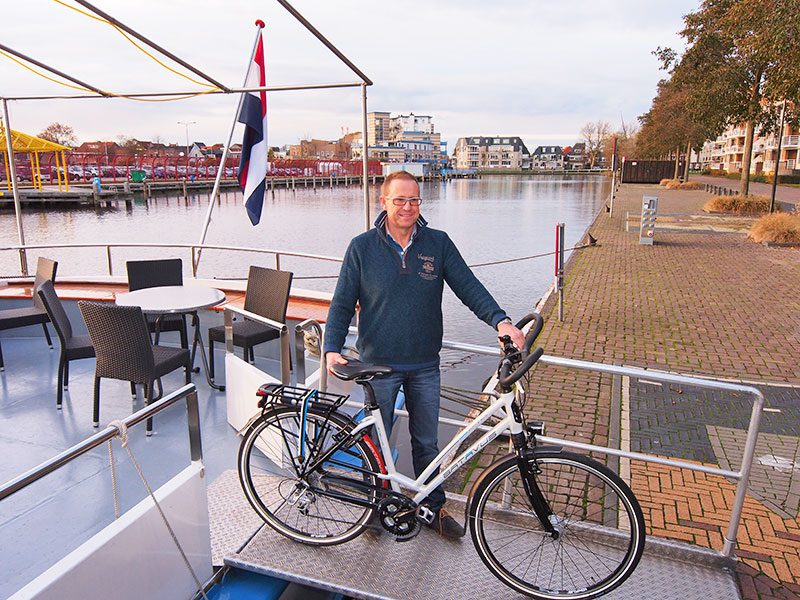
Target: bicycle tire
x,y
294,506
600,523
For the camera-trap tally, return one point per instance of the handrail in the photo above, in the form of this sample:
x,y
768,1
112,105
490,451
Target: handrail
x,y
743,475
193,247
300,354
189,392
281,327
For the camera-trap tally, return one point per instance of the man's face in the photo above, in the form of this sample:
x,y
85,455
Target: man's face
x,y
404,216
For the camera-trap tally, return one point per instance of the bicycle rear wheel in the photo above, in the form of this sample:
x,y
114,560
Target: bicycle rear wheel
x,y
598,519
330,504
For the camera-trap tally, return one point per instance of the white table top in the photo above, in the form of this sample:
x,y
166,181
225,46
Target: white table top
x,y
172,298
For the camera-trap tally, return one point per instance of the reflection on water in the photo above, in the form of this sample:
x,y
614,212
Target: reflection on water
x,y
493,218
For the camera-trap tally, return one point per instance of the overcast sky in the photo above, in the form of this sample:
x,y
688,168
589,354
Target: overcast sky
x,y
536,69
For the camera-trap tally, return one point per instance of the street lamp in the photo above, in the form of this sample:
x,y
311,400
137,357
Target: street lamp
x,y
187,123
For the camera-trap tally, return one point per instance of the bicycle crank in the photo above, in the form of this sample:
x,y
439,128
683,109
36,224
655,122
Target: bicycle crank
x,y
398,516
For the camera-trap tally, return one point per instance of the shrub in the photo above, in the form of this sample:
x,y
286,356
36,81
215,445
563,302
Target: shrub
x,y
737,204
673,184
691,185
777,227
664,181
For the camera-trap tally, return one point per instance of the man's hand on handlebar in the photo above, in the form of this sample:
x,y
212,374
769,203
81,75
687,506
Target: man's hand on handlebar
x,y
334,358
517,337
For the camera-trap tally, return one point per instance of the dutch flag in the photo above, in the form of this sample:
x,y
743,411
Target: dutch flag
x,y
253,165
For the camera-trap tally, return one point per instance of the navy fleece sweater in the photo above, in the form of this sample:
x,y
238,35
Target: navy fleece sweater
x,y
400,320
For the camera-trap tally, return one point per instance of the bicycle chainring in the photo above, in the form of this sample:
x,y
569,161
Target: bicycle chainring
x,y
398,516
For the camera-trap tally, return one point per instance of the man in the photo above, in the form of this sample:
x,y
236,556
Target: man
x,y
396,273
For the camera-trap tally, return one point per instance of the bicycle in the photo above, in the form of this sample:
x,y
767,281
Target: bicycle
x,y
549,523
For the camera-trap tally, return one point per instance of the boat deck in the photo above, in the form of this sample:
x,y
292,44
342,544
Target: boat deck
x,y
42,523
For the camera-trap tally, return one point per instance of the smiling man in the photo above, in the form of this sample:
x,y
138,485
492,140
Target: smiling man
x,y
396,273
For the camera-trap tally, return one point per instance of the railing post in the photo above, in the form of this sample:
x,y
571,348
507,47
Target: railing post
x,y
299,355
741,487
193,417
194,262
109,262
286,377
559,269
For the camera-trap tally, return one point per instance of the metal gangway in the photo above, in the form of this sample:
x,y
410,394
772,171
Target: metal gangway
x,y
375,567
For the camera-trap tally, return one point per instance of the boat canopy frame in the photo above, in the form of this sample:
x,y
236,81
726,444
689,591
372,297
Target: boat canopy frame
x,y
219,88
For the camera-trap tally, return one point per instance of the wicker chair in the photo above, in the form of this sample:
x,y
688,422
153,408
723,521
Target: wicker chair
x,y
156,273
33,315
268,296
73,347
122,344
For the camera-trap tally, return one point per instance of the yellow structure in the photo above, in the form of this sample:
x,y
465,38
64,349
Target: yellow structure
x,y
34,146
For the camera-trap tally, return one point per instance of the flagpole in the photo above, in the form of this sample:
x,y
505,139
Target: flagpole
x,y
221,168
365,157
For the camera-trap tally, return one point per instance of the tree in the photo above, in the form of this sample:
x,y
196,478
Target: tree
x,y
740,63
626,136
594,134
60,134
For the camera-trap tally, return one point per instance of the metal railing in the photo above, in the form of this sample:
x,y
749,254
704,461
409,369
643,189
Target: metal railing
x,y
194,249
282,328
187,392
742,475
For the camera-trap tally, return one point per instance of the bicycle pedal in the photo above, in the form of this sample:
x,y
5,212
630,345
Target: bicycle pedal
x,y
425,515
535,427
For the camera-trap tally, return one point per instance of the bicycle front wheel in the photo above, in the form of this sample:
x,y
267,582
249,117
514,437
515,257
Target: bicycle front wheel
x,y
599,524
327,505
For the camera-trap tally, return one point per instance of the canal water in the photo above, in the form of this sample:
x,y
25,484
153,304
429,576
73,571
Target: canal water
x,y
494,218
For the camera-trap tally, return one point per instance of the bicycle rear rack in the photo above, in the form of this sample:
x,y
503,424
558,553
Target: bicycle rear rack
x,y
271,393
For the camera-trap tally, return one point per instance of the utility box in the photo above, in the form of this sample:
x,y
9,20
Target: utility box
x,y
647,229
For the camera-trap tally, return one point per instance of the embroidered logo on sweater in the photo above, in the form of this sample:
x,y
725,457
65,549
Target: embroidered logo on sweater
x,y
428,268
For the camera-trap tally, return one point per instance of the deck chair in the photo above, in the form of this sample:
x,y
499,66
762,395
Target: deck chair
x,y
12,318
156,273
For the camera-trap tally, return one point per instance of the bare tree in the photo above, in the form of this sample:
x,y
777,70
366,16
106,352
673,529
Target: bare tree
x,y
59,133
594,134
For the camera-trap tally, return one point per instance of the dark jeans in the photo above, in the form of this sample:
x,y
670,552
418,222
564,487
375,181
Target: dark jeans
x,y
422,390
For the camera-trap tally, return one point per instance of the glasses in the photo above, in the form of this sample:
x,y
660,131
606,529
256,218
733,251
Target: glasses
x,y
400,201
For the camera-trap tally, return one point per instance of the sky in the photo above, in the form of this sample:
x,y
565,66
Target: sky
x,y
539,70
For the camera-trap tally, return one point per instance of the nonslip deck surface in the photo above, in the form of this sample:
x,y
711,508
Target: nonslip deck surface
x,y
374,566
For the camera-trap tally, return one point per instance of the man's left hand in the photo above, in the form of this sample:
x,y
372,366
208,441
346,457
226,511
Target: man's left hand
x,y
517,337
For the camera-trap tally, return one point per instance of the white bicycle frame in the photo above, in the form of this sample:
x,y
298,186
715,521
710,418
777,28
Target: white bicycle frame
x,y
501,407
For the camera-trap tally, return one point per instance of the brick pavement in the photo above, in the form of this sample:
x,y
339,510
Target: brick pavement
x,y
711,303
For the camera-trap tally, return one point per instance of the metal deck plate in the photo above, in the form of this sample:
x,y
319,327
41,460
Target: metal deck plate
x,y
374,566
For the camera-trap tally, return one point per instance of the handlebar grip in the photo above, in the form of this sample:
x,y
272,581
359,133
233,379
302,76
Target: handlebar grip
x,y
506,380
534,331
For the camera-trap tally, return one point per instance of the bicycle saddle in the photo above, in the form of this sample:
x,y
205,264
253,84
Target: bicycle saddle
x,y
355,369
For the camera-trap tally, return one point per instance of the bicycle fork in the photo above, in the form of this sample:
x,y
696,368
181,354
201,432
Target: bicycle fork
x,y
528,470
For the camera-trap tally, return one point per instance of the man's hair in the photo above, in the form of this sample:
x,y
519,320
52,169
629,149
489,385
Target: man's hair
x,y
396,175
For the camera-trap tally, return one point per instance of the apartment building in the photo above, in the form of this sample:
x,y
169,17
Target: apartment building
x,y
483,152
402,138
726,152
547,158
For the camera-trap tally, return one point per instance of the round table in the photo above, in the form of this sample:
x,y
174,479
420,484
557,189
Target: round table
x,y
177,299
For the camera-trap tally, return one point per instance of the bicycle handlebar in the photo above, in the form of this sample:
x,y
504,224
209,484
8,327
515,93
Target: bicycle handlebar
x,y
507,378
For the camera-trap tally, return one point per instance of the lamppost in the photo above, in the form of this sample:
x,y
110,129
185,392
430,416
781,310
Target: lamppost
x,y
187,123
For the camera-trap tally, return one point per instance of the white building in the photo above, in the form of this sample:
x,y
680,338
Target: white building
x,y
491,153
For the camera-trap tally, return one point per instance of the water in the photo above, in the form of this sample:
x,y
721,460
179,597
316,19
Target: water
x,y
489,219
